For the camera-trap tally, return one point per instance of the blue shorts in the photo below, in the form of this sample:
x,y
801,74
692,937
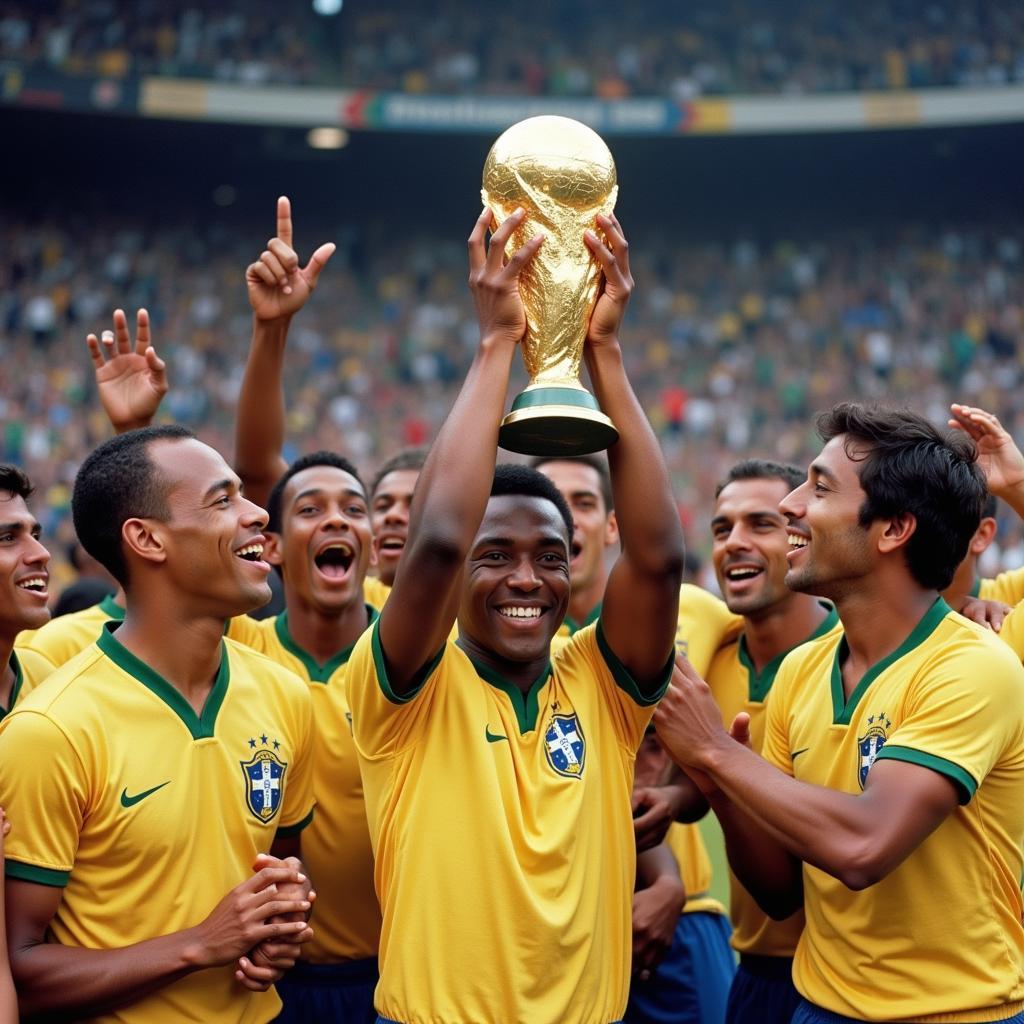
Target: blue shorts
x,y
808,1013
329,992
691,985
762,991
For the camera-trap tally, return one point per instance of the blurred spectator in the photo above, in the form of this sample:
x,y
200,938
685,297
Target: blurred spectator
x,y
566,48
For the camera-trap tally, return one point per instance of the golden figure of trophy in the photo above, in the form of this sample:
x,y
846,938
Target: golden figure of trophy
x,y
563,175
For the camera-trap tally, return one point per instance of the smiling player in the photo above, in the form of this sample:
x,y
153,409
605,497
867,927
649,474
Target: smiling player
x,y
174,759
505,872
889,795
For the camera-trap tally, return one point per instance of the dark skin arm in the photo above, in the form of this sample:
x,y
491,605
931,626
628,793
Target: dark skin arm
x,y
56,979
656,807
641,601
858,839
657,904
454,486
278,288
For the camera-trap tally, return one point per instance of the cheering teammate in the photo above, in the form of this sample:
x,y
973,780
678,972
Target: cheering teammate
x,y
894,750
692,981
173,760
497,780
390,508
750,542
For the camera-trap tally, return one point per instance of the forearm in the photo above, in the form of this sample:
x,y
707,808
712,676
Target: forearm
x,y
645,508
772,875
455,483
260,424
56,979
837,832
1014,497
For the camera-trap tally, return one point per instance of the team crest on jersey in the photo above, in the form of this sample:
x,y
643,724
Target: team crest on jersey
x,y
565,745
871,743
264,783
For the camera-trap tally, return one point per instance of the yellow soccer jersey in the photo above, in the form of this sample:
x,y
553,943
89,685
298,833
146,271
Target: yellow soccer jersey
x,y
336,846
738,686
1012,633
705,623
687,846
64,637
503,835
145,804
375,593
940,938
1007,587
30,669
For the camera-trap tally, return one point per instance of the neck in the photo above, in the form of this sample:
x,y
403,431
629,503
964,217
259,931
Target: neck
x,y
583,600
781,627
960,589
184,649
521,674
7,677
878,619
323,634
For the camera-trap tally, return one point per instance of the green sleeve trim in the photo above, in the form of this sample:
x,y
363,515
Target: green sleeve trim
x,y
33,873
290,831
963,779
626,682
419,680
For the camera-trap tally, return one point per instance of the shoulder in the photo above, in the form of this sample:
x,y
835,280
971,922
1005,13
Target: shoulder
x,y
375,592
247,664
244,629
68,634
726,658
35,667
806,661
700,609
968,650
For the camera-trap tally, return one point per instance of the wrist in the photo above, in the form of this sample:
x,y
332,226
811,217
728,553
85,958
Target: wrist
x,y
272,328
670,890
126,426
195,954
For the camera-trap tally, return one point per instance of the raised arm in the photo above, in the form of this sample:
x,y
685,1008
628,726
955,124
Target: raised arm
x,y
278,288
130,377
641,603
455,482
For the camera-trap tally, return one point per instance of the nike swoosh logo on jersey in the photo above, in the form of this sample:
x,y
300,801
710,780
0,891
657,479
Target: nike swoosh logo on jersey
x,y
491,737
131,801
797,753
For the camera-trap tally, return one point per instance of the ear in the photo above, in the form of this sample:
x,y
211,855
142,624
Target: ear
x,y
143,538
374,559
272,548
983,536
896,533
611,530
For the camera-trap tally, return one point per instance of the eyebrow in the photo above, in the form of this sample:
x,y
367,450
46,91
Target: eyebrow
x,y
821,470
15,527
221,485
316,491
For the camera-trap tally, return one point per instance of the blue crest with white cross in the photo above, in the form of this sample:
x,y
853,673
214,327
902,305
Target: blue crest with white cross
x,y
264,783
869,745
565,745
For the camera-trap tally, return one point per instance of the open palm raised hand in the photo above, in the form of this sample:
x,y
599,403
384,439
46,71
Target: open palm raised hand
x,y
131,378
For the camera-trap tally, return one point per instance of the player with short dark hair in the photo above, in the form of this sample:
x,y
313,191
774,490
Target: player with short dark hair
x,y
513,851
390,506
176,761
24,588
889,792
750,542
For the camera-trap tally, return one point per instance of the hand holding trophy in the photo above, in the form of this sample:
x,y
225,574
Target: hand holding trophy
x,y
563,175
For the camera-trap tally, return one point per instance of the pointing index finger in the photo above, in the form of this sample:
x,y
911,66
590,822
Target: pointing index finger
x,y
284,220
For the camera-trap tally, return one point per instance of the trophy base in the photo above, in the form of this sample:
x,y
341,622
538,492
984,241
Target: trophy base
x,y
553,421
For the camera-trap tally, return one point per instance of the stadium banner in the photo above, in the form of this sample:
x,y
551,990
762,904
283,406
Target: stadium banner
x,y
307,107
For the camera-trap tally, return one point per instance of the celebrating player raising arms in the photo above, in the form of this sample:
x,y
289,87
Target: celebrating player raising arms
x,y
505,871
136,889
894,750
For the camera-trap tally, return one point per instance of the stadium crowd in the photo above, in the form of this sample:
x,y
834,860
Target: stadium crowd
x,y
728,344
565,49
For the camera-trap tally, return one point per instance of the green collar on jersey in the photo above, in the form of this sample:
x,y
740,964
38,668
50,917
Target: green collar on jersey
x,y
759,684
317,673
975,590
15,686
111,610
525,705
842,709
575,627
200,726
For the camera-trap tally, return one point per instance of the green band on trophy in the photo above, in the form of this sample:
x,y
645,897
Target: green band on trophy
x,y
533,397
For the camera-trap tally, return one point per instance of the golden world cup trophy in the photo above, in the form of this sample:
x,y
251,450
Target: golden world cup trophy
x,y
562,174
